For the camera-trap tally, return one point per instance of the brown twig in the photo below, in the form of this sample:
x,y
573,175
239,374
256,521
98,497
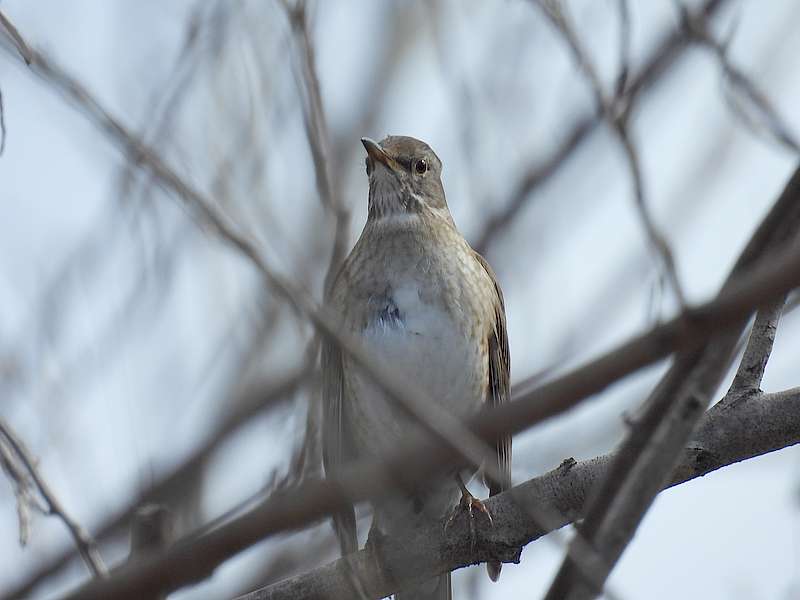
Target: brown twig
x,y
83,541
624,68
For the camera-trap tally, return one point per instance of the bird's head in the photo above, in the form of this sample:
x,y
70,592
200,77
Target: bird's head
x,y
404,177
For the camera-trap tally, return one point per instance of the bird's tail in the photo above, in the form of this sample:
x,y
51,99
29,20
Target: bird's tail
x,y
437,588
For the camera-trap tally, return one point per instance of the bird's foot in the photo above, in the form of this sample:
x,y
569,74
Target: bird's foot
x,y
470,505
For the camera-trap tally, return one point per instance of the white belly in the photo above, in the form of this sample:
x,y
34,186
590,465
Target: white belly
x,y
423,344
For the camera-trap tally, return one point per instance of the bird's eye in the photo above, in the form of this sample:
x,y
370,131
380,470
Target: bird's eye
x,y
421,166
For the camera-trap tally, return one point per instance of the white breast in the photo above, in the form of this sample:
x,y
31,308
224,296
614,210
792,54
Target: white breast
x,y
424,346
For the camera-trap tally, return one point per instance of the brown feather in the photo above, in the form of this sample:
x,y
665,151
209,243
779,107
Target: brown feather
x,y
498,392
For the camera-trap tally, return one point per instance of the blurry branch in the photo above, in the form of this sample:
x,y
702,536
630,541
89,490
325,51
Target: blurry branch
x,y
294,555
425,455
752,98
16,39
151,530
624,47
728,434
670,414
319,137
316,126
616,113
24,489
52,506
657,64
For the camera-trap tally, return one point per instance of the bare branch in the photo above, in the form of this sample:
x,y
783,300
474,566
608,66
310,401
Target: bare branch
x,y
656,238
759,347
24,489
82,539
624,47
566,488
16,39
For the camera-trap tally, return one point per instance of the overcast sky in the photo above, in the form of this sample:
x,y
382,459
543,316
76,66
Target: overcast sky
x,y
123,369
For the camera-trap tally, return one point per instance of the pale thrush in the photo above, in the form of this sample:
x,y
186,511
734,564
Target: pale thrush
x,y
423,302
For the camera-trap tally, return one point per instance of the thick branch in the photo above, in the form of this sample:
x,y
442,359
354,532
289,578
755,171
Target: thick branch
x,y
728,434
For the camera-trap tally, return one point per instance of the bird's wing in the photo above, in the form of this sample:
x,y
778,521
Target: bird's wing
x,y
499,381
334,438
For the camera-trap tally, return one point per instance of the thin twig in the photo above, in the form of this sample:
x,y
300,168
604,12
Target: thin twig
x,y
83,541
759,346
24,489
16,39
751,95
656,238
318,137
624,68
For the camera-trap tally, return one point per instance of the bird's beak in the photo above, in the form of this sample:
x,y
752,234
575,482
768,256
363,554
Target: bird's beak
x,y
378,154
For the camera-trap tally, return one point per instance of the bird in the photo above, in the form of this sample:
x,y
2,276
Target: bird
x,y
419,299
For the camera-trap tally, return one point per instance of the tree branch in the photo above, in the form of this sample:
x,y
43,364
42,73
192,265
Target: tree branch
x,y
318,136
725,437
759,347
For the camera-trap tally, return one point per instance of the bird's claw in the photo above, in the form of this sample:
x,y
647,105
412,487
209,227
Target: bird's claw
x,y
470,505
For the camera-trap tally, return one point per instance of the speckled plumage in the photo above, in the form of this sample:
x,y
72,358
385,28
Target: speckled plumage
x,y
423,301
